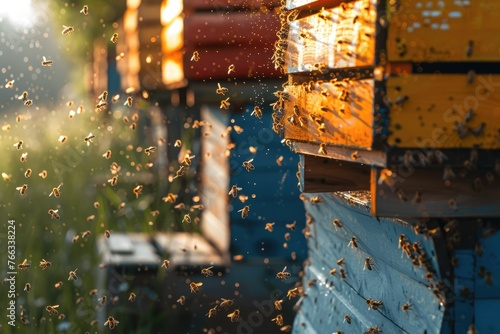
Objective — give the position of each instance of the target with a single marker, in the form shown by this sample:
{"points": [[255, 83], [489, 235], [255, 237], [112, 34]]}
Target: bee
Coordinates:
{"points": [[150, 150], [62, 139], [10, 84], [234, 316], [58, 285], [322, 149], [132, 297], [234, 191], [22, 189], [43, 174], [111, 322], [221, 90], [24, 265], [406, 306], [277, 305], [196, 56], [353, 243], [113, 180], [27, 173], [244, 211], [248, 165], [101, 105], [114, 39], [180, 172], [226, 303], [374, 304], [72, 275], [292, 293], [283, 275], [53, 214], [103, 299], [187, 218], [46, 62], [67, 30], [368, 263], [257, 112], [93, 292], [19, 145], [341, 261], [224, 104], [44, 264], [347, 318], [137, 190], [165, 264], [89, 138], [178, 143], [333, 271], [181, 300], [337, 223], [286, 328], [85, 10], [85, 234], [212, 312], [107, 154], [28, 102], [195, 287], [103, 96], [316, 199], [278, 320], [128, 102], [342, 273], [56, 192], [187, 159], [75, 238], [24, 157], [269, 226], [231, 68], [52, 309], [170, 198]]}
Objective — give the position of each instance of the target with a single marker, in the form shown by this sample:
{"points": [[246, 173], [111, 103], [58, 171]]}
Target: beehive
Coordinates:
{"points": [[404, 90]]}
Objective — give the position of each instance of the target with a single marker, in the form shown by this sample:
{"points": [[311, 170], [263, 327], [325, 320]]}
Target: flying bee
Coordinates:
{"points": [[278, 320], [180, 171], [44, 264], [58, 285], [195, 287], [53, 214], [89, 138], [62, 139], [103, 299], [283, 275], [113, 180], [165, 264], [234, 191], [19, 145], [150, 150], [170, 198], [85, 234], [347, 318], [103, 96], [269, 227], [322, 149], [248, 165], [337, 223], [107, 234], [212, 312], [52, 309], [10, 84], [93, 292], [107, 154], [114, 38], [353, 243], [128, 102], [221, 90], [55, 191], [406, 306], [43, 174], [224, 104], [292, 293], [132, 297], [226, 303], [234, 316], [196, 56], [46, 62], [137, 190], [207, 272], [231, 68], [22, 189], [257, 112], [67, 30], [368, 263], [24, 265], [187, 218], [27, 287], [111, 322], [181, 300], [28, 172], [333, 271], [187, 159], [244, 211], [72, 275], [85, 10], [341, 261], [178, 143]]}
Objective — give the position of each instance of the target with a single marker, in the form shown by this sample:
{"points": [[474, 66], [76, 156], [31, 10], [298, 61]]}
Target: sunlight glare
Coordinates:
{"points": [[20, 14]]}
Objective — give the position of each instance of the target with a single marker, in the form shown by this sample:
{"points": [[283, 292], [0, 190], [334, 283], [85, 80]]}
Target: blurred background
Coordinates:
{"points": [[108, 121]]}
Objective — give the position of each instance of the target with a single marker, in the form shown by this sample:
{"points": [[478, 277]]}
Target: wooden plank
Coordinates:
{"points": [[319, 174], [333, 38], [432, 31], [486, 315], [345, 108], [394, 194], [422, 117], [234, 28], [378, 239], [252, 62]]}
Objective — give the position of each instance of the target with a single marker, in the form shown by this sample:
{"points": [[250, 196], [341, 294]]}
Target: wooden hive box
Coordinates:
{"points": [[403, 93]]}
